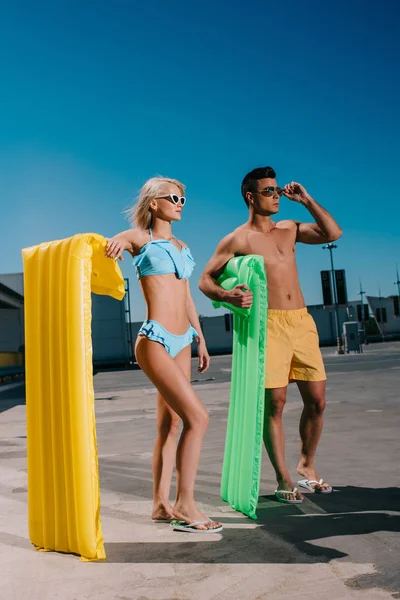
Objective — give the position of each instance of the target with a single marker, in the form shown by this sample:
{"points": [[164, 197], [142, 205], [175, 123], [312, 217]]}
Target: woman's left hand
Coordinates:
{"points": [[204, 357]]}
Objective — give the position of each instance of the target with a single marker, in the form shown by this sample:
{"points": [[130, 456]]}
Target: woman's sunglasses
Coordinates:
{"points": [[174, 198]]}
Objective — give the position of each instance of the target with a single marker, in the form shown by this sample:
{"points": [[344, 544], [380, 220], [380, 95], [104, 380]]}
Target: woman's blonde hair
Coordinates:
{"points": [[140, 214]]}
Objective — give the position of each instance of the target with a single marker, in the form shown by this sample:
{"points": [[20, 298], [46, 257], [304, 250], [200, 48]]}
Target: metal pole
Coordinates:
{"points": [[397, 282], [333, 273], [128, 323], [382, 322], [331, 247], [361, 293]]}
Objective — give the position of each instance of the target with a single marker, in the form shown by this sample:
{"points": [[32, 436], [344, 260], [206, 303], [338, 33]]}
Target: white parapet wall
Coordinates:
{"points": [[384, 311]]}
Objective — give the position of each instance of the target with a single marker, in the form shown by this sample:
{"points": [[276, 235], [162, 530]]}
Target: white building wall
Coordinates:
{"points": [[219, 336], [325, 320], [14, 281], [218, 333], [392, 324], [109, 329], [11, 329]]}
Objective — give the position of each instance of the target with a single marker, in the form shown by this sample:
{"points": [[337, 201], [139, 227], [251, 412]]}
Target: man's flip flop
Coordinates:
{"points": [[284, 500], [307, 485], [192, 527]]}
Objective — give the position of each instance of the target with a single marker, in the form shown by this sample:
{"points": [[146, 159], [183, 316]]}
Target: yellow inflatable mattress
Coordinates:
{"points": [[63, 479]]}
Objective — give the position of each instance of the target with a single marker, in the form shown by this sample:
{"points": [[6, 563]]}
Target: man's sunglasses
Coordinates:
{"points": [[270, 191], [174, 198]]}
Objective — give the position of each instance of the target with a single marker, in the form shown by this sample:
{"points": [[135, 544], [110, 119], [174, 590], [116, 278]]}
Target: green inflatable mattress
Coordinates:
{"points": [[244, 436]]}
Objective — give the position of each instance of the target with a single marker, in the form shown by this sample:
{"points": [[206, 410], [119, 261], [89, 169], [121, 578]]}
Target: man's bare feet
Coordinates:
{"points": [[311, 474], [287, 484], [192, 515], [162, 512]]}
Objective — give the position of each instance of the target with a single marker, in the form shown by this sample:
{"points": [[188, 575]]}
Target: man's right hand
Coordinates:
{"points": [[240, 296]]}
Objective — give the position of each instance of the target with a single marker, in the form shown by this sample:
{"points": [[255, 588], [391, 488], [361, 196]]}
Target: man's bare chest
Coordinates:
{"points": [[277, 246]]}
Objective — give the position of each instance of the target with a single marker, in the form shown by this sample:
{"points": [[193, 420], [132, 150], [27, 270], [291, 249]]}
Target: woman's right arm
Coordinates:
{"points": [[126, 240]]}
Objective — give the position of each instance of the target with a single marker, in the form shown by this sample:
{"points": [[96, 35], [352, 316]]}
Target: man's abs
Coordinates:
{"points": [[284, 291]]}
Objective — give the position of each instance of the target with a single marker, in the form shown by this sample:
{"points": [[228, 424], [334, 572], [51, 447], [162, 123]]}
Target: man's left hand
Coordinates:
{"points": [[296, 192]]}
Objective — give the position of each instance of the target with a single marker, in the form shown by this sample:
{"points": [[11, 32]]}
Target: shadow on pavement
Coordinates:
{"points": [[284, 534]]}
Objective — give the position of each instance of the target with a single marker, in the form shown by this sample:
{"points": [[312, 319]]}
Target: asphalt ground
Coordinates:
{"points": [[375, 357], [344, 545]]}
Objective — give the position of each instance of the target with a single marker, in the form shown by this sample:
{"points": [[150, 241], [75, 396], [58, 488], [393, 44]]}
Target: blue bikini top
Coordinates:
{"points": [[161, 257]]}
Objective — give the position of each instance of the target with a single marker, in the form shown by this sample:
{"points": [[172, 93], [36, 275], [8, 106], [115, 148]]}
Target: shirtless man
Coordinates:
{"points": [[293, 352]]}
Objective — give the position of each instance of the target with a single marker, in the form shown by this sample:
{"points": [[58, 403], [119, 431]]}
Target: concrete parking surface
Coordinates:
{"points": [[344, 545]]}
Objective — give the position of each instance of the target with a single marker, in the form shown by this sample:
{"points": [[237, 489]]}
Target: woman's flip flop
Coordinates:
{"points": [[192, 527], [307, 485], [284, 500], [163, 520]]}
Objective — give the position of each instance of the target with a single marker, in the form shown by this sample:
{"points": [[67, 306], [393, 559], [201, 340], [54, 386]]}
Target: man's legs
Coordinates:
{"points": [[274, 439], [311, 423]]}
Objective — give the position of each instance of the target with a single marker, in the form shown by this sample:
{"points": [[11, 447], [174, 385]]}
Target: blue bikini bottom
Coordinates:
{"points": [[171, 342]]}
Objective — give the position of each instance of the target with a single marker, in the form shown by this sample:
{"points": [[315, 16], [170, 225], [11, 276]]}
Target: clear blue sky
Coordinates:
{"points": [[98, 96]]}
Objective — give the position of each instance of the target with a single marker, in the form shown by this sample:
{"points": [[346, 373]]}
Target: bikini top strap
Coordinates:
{"points": [[151, 234], [175, 238]]}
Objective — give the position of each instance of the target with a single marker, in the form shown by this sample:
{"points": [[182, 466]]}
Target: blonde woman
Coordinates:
{"points": [[163, 347]]}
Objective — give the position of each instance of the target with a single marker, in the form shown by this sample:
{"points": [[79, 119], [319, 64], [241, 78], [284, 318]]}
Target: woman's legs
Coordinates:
{"points": [[186, 461], [164, 454], [164, 458], [173, 385]]}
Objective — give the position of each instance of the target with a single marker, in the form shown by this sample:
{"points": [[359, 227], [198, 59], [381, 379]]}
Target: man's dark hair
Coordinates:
{"points": [[249, 183]]}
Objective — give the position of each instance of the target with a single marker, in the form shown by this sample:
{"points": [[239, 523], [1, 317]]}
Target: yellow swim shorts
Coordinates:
{"points": [[292, 348]]}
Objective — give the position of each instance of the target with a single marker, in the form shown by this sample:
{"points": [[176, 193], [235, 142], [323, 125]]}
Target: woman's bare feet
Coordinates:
{"points": [[311, 474], [287, 484], [162, 512], [192, 515]]}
